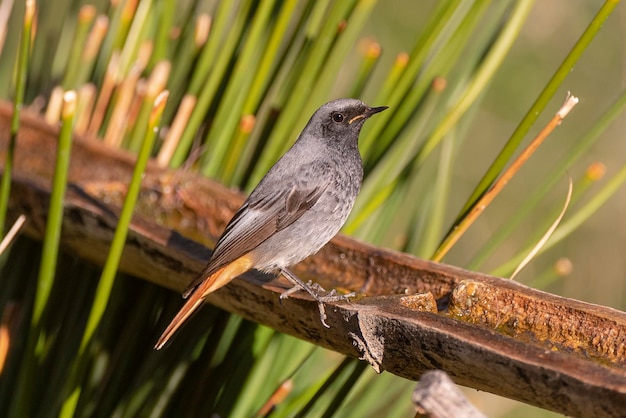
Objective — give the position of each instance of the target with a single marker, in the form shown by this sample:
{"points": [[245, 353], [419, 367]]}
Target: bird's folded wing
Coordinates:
{"points": [[257, 220]]}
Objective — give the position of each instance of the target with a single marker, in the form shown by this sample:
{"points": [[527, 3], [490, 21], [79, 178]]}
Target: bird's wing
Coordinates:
{"points": [[258, 219]]}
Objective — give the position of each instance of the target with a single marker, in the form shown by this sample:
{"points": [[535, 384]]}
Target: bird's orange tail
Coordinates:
{"points": [[209, 285]]}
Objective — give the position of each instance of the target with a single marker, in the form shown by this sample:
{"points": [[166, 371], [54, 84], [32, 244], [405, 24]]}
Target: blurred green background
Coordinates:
{"points": [[597, 249]]}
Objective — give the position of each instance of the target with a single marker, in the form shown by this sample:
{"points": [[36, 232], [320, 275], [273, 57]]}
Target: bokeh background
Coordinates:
{"points": [[597, 250]]}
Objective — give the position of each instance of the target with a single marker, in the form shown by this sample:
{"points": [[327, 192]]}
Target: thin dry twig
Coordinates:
{"points": [[436, 396], [5, 11], [502, 181], [12, 234], [547, 235], [172, 138]]}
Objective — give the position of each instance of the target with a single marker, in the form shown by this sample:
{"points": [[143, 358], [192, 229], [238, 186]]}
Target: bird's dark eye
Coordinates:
{"points": [[337, 117]]}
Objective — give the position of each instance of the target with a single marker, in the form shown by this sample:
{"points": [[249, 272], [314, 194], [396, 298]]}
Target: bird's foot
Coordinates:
{"points": [[318, 293]]}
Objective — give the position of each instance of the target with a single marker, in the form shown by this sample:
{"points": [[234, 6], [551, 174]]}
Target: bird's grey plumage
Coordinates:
{"points": [[304, 199]]}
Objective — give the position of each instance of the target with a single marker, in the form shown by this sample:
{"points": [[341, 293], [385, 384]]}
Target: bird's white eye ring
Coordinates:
{"points": [[337, 117]]}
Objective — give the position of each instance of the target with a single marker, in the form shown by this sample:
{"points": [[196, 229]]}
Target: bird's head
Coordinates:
{"points": [[341, 119]]}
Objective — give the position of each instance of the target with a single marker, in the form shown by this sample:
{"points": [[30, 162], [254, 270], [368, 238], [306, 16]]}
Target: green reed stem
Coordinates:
{"points": [[109, 271], [21, 71], [539, 105]]}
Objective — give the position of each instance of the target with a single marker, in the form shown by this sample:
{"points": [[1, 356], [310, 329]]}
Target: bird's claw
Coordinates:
{"points": [[318, 293]]}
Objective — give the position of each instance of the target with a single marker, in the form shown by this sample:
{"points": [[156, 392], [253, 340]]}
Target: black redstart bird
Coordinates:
{"points": [[298, 206]]}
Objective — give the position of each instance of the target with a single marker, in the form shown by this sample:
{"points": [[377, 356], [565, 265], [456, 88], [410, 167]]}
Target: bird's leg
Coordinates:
{"points": [[315, 290]]}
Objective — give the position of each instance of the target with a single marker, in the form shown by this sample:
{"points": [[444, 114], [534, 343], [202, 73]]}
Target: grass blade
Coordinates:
{"points": [[540, 104], [460, 227], [117, 245]]}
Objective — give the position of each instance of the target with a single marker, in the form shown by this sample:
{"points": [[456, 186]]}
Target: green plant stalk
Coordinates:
{"points": [[85, 19], [116, 31], [173, 382], [154, 86], [483, 76], [265, 352], [385, 175], [208, 57], [42, 56], [280, 138], [474, 54], [298, 53], [296, 356], [317, 18], [472, 93], [186, 52], [136, 34], [332, 64], [161, 37], [346, 387], [239, 365], [89, 56], [224, 330], [392, 396], [21, 71], [433, 30], [539, 105], [228, 113], [296, 49], [50, 250], [133, 406], [320, 80], [334, 376], [295, 60], [135, 140], [157, 369], [580, 188], [569, 225], [393, 77], [237, 156], [369, 59], [441, 191], [209, 89], [266, 379], [223, 345], [17, 268], [549, 182], [54, 222], [232, 170], [447, 51], [418, 228], [115, 253], [306, 378], [119, 383], [542, 227], [72, 320], [190, 352], [419, 200], [380, 223], [121, 231]]}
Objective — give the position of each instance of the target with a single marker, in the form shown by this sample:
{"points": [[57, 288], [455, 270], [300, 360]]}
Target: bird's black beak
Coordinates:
{"points": [[368, 112], [373, 110]]}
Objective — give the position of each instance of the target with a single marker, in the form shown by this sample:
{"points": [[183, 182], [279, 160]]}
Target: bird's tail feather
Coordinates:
{"points": [[209, 285]]}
